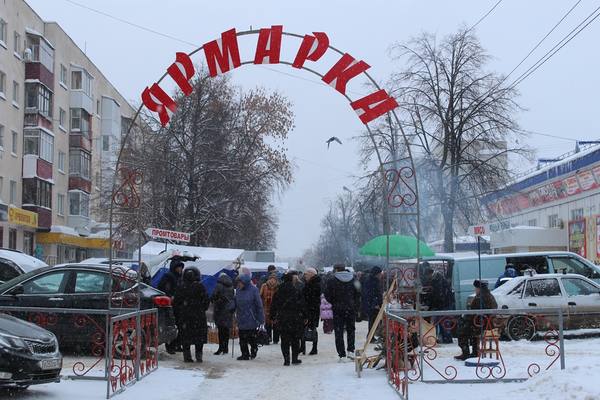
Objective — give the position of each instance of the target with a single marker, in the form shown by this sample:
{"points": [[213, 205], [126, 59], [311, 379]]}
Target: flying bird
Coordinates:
{"points": [[333, 139]]}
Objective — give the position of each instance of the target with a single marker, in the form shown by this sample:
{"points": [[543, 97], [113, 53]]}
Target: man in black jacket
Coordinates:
{"points": [[168, 284], [343, 292], [312, 298], [287, 312]]}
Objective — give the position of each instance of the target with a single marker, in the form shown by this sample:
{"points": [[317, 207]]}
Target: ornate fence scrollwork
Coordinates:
{"points": [[133, 349], [401, 191], [398, 347], [430, 361]]}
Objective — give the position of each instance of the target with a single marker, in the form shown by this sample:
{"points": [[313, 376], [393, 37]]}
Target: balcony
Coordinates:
{"points": [[35, 167], [34, 119], [80, 140], [44, 216], [80, 99], [34, 70], [80, 183]]}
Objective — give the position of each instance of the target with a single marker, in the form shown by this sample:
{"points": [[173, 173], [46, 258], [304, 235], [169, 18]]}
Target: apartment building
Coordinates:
{"points": [[60, 125]]}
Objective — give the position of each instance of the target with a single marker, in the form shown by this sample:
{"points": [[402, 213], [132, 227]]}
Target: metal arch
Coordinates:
{"points": [[380, 159]]}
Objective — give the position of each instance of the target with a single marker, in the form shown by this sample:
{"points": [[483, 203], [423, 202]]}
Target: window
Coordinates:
{"points": [[97, 107], [61, 161], [28, 243], [13, 192], [2, 84], [39, 143], [16, 90], [15, 142], [79, 163], [81, 80], [12, 239], [8, 270], [3, 31], [60, 204], [17, 43], [80, 121], [553, 221], [532, 222], [37, 192], [76, 80], [79, 204], [576, 214], [1, 137], [62, 118], [1, 190], [571, 265], [579, 287], [105, 142], [38, 97], [91, 282], [46, 284], [542, 287], [517, 291], [63, 75]]}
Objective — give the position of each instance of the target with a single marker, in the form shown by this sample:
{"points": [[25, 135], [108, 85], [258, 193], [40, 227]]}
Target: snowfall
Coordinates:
{"points": [[324, 377]]}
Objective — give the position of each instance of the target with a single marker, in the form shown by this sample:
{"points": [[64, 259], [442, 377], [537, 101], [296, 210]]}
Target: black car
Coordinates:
{"points": [[77, 286], [29, 355]]}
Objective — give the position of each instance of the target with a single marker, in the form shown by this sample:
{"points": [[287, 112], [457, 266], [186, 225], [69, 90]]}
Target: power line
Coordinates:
{"points": [[130, 23], [485, 16], [194, 45], [544, 38], [562, 43], [547, 135]]}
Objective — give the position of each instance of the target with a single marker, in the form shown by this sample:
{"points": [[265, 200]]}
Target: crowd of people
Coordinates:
{"points": [[280, 309]]}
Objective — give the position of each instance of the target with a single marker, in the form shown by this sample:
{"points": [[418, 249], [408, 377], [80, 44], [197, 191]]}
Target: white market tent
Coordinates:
{"points": [[211, 260], [256, 266]]}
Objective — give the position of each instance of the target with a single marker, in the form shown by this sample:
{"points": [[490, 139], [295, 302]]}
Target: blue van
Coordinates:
{"points": [[463, 269]]}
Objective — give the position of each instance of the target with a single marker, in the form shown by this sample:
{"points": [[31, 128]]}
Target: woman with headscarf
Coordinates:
{"points": [[190, 304], [249, 315], [267, 292]]}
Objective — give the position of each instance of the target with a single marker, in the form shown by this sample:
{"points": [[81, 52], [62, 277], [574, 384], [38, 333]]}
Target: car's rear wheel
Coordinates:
{"points": [[520, 327]]}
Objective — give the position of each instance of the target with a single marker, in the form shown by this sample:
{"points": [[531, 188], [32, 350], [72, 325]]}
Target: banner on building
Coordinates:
{"points": [[19, 216], [577, 237]]}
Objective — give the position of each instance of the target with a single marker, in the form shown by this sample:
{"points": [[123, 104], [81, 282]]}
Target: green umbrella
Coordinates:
{"points": [[400, 247]]}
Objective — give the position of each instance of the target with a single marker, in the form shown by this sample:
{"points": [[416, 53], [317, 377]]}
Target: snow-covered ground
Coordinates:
{"points": [[323, 377]]}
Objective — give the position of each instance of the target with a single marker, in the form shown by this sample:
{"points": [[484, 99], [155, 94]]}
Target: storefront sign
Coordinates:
{"points": [[577, 237], [598, 237], [156, 233], [19, 216], [223, 55], [557, 190]]}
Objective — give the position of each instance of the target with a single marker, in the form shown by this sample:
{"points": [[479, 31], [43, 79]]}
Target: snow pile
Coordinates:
{"points": [[576, 382]]}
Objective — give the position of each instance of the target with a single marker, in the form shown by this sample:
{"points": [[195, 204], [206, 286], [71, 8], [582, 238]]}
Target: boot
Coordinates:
{"points": [[218, 352], [286, 361], [464, 354], [475, 346], [187, 354], [314, 349], [243, 358], [296, 362]]}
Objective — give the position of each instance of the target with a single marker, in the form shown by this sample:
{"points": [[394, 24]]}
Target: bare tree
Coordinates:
{"points": [[461, 117]]}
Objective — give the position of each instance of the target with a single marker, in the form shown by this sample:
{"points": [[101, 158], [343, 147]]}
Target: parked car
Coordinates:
{"points": [[133, 264], [29, 355], [462, 269], [14, 263], [78, 286], [576, 295]]}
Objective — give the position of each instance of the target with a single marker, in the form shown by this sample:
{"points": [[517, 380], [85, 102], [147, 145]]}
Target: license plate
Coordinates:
{"points": [[54, 363]]}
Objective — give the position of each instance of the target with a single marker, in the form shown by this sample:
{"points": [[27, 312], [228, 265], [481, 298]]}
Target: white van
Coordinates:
{"points": [[463, 269]]}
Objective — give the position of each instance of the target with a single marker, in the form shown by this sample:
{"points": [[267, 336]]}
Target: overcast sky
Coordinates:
{"points": [[561, 97]]}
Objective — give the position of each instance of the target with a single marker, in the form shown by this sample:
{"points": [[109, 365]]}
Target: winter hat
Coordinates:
{"points": [[311, 271], [479, 284], [376, 270], [245, 279]]}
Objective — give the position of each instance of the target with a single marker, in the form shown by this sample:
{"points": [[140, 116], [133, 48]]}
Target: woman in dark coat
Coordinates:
{"points": [[222, 313], [312, 298], [287, 312], [190, 304]]}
